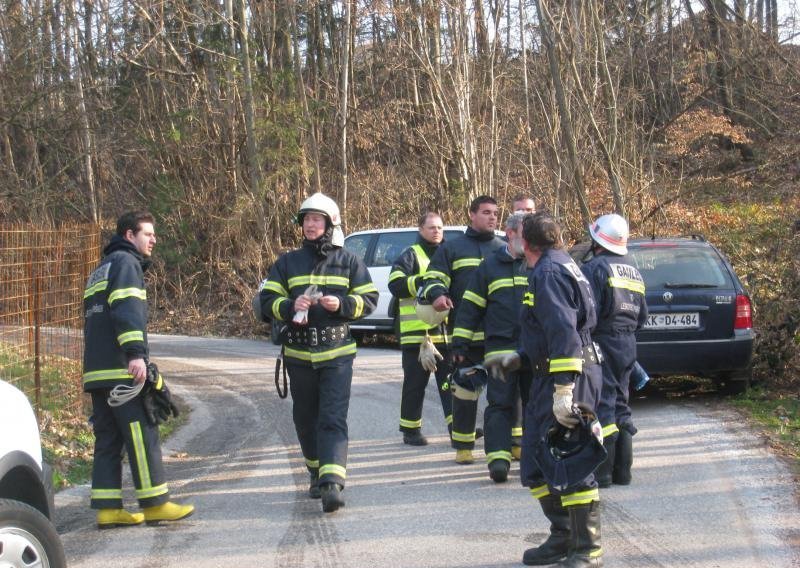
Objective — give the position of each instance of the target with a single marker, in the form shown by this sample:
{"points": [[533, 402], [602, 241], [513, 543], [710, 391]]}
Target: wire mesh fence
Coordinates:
{"points": [[42, 275]]}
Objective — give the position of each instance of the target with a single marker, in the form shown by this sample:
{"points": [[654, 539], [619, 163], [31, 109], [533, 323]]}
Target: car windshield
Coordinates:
{"points": [[674, 266]]}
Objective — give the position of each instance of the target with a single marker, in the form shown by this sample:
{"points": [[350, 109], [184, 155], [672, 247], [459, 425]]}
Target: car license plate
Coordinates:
{"points": [[677, 320]]}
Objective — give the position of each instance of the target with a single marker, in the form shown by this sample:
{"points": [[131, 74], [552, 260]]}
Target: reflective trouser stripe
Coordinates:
{"points": [[610, 430], [312, 464], [333, 469], [580, 498], [461, 437], [140, 453], [106, 494], [516, 431], [498, 455], [410, 423], [540, 492], [151, 491]]}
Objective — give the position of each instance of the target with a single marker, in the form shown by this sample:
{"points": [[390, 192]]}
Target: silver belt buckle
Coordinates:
{"points": [[312, 337]]}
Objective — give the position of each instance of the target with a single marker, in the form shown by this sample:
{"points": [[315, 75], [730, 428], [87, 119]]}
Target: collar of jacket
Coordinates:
{"points": [[504, 255], [427, 246], [481, 236], [118, 243]]}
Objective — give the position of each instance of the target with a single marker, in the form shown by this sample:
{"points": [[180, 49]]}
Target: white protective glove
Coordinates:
{"points": [[562, 406], [428, 355], [301, 317], [500, 365]]}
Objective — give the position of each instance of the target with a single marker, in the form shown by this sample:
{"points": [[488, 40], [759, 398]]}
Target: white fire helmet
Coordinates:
{"points": [[429, 315], [611, 233], [320, 203]]}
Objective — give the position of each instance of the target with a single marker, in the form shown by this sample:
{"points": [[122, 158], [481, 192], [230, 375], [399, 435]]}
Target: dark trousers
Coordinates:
{"points": [[320, 402], [415, 381], [539, 418], [125, 427], [465, 407], [502, 419], [619, 356]]}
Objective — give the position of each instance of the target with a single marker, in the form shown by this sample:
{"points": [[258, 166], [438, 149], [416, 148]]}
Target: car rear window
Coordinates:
{"points": [[680, 267], [390, 245]]}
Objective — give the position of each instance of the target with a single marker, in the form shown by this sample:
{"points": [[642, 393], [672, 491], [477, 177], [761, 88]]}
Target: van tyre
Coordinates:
{"points": [[28, 534]]}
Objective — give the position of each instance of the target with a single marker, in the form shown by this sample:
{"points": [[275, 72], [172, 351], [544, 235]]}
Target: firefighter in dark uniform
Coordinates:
{"points": [[621, 310], [405, 278], [316, 291], [443, 286], [116, 353], [492, 302], [557, 317]]}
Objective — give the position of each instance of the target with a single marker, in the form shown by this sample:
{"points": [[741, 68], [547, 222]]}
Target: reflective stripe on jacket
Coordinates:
{"points": [[619, 290], [452, 265], [115, 316], [558, 316], [405, 278], [341, 274], [492, 302]]}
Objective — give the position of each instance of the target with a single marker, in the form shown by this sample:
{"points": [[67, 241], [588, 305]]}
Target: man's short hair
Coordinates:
{"points": [[132, 220], [425, 216], [522, 197], [514, 221], [541, 231], [480, 200]]}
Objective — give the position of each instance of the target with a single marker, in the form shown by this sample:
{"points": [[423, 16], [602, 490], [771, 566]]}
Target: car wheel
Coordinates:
{"points": [[28, 538]]}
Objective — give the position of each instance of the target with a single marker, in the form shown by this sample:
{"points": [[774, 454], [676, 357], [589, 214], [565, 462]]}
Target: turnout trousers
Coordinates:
{"points": [[502, 419], [415, 381], [539, 418], [320, 402], [118, 428], [619, 356], [465, 406]]}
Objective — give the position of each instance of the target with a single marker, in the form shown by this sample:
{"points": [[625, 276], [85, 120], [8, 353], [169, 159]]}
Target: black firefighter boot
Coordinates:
{"points": [[556, 546], [624, 458], [603, 474], [585, 550], [331, 494]]}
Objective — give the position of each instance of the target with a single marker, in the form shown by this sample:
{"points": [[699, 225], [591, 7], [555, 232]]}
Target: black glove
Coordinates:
{"points": [[157, 400]]}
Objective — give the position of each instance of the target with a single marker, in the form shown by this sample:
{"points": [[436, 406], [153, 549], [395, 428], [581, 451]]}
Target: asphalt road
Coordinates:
{"points": [[706, 493]]}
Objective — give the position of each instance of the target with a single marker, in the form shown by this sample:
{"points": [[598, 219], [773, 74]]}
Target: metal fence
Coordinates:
{"points": [[42, 275]]}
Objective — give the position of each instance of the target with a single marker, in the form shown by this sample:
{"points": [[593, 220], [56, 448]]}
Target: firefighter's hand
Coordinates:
{"points": [[429, 355], [330, 303], [137, 368], [442, 303], [302, 303], [562, 406], [500, 365]]}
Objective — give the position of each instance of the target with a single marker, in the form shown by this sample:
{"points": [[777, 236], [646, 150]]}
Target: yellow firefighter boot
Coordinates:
{"points": [[110, 518], [167, 512], [464, 456]]}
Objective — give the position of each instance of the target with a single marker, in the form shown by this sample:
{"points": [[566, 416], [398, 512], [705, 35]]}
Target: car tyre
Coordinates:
{"points": [[28, 538]]}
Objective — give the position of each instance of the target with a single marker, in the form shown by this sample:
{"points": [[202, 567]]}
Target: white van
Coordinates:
{"points": [[379, 248]]}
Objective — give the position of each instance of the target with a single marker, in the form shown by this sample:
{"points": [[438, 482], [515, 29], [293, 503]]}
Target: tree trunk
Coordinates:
{"points": [[565, 117]]}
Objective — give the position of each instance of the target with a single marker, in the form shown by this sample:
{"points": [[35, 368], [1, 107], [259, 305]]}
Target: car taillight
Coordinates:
{"points": [[744, 316]]}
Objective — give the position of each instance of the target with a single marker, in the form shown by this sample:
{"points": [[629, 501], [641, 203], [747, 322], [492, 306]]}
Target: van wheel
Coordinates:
{"points": [[28, 538]]}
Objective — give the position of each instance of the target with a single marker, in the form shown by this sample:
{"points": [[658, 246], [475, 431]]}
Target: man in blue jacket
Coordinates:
{"points": [[116, 354]]}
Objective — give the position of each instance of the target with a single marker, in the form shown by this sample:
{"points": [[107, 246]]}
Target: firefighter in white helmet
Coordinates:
{"points": [[621, 309], [313, 293]]}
